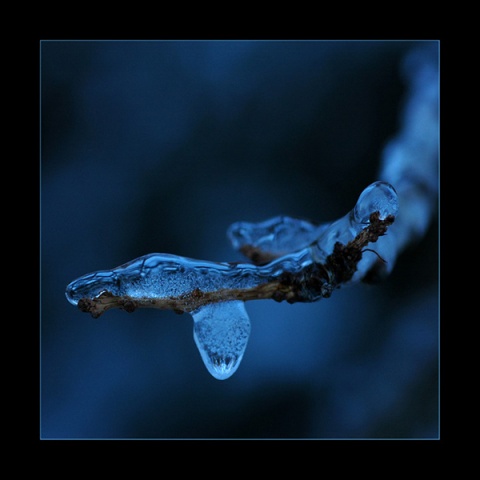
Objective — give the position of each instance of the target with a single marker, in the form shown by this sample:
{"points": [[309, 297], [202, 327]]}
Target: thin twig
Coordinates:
{"points": [[314, 282]]}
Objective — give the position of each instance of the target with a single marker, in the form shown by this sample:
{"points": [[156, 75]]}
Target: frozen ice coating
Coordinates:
{"points": [[378, 197], [277, 235], [282, 234], [91, 285], [221, 332], [222, 328], [162, 275]]}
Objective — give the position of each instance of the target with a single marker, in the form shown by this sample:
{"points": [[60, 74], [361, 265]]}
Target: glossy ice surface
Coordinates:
{"points": [[221, 330]]}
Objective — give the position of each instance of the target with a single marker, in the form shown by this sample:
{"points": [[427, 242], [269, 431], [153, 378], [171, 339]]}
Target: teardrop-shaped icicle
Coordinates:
{"points": [[221, 332]]}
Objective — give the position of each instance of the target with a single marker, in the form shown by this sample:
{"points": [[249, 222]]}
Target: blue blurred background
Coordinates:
{"points": [[158, 146]]}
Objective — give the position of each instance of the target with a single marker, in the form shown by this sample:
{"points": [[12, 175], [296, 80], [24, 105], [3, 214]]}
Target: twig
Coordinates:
{"points": [[315, 281]]}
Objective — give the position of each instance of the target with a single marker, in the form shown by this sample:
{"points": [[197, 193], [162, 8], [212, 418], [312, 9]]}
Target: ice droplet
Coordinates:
{"points": [[378, 197], [221, 332]]}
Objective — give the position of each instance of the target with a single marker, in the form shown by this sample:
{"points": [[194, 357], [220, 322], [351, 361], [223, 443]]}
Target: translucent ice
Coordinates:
{"points": [[221, 332], [281, 235], [277, 236], [377, 197], [222, 328], [161, 275], [91, 285]]}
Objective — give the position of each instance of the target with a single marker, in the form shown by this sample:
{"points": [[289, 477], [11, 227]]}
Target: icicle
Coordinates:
{"points": [[221, 332]]}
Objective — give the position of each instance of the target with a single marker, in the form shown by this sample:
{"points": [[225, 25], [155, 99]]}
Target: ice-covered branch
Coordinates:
{"points": [[409, 163], [291, 259], [214, 293], [165, 281]]}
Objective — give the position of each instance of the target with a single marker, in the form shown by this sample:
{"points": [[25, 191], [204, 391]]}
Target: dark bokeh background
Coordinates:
{"points": [[158, 147]]}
